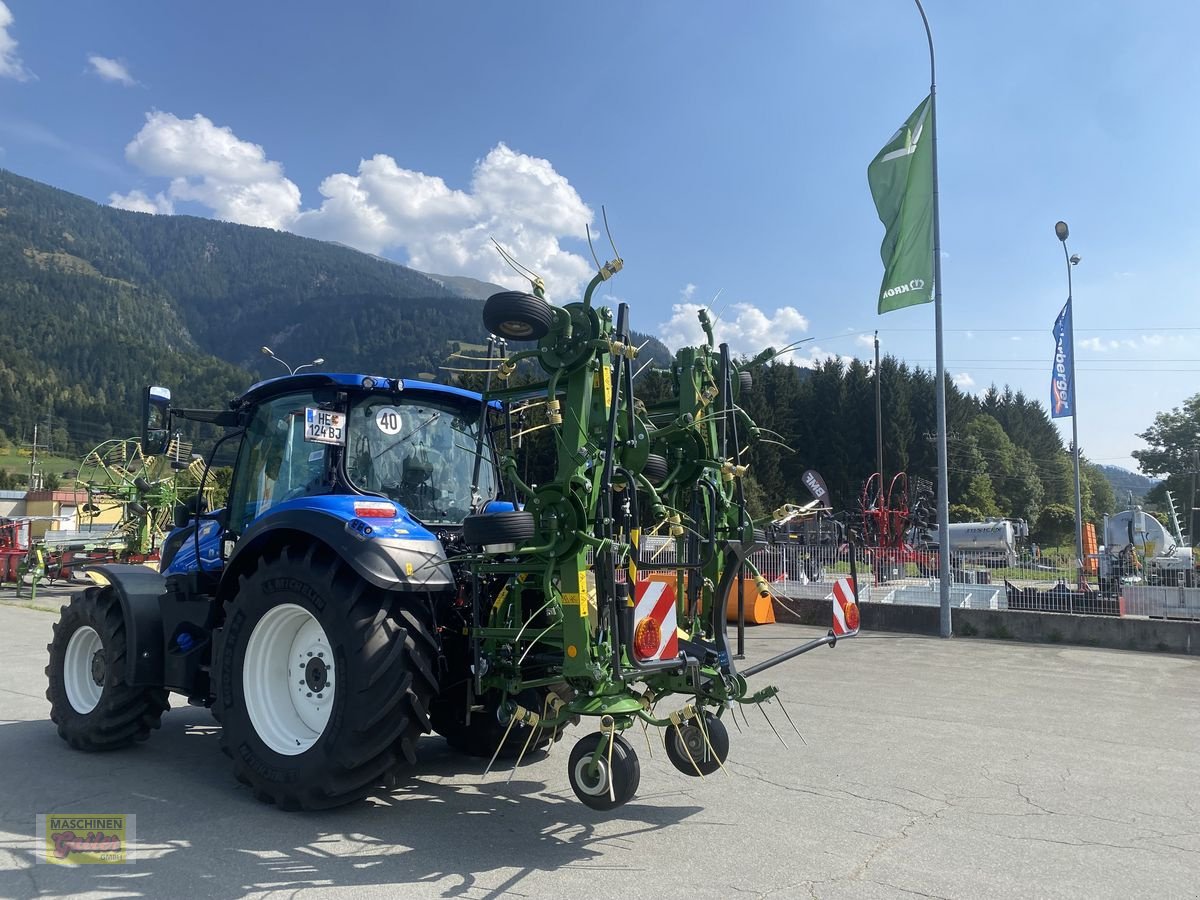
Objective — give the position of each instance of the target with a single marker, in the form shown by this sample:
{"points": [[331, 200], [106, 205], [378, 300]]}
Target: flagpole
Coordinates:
{"points": [[943, 503]]}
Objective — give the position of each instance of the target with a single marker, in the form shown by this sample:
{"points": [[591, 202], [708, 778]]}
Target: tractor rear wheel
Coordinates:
{"points": [[323, 681], [90, 702]]}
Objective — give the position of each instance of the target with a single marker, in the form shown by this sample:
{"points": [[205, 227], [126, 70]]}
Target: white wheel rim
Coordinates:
{"points": [[583, 776], [83, 691], [288, 679]]}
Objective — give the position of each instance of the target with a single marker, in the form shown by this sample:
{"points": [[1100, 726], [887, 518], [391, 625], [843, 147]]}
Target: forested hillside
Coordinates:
{"points": [[99, 301]]}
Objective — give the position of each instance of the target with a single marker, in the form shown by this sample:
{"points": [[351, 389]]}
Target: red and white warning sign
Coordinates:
{"points": [[655, 629], [845, 609]]}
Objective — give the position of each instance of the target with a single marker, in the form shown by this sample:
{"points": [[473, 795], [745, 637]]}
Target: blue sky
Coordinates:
{"points": [[729, 143]]}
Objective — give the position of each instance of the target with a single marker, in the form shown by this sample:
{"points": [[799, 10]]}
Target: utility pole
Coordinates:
{"points": [[1192, 511], [878, 416], [34, 479]]}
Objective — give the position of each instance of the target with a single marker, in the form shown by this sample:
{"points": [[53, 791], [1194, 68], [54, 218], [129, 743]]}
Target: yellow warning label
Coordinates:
{"points": [[578, 600]]}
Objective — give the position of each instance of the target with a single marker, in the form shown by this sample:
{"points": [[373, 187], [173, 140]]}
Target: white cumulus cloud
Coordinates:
{"points": [[211, 165], [383, 207], [138, 201], [519, 200], [745, 327], [963, 381], [10, 62], [111, 70]]}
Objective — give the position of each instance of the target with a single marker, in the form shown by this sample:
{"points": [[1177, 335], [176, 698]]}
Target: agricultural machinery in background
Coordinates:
{"points": [[892, 525], [382, 570], [130, 502]]}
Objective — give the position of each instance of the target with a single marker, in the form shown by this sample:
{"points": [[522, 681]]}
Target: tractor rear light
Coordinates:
{"points": [[647, 638], [852, 616], [375, 510]]}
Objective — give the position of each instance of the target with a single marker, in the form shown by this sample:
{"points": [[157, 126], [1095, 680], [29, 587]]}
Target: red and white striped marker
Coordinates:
{"points": [[845, 609], [655, 600]]}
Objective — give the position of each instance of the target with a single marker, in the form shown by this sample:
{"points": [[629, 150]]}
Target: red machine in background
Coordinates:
{"points": [[889, 523]]}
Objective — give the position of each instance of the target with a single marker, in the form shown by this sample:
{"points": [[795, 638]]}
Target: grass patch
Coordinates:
{"points": [[968, 630], [1055, 637]]}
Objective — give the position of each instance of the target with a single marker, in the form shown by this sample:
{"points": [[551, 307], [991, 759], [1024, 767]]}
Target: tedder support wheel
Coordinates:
{"points": [[504, 529], [518, 316], [90, 702], [656, 469], [323, 680], [745, 383], [688, 750], [591, 781], [488, 725]]}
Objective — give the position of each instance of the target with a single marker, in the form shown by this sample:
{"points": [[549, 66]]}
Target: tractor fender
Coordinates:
{"points": [[413, 563], [138, 590]]}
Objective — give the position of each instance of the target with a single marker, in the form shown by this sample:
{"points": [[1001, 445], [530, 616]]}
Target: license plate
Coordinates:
{"points": [[324, 426]]}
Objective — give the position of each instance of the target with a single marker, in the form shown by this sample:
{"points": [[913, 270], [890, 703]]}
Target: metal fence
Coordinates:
{"points": [[1041, 583]]}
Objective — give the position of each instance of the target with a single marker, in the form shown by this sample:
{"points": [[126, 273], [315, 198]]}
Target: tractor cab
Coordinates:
{"points": [[403, 459]]}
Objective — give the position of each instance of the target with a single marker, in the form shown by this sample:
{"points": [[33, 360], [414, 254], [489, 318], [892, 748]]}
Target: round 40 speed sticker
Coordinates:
{"points": [[387, 420]]}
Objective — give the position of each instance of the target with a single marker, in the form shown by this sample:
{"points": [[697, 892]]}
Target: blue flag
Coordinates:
{"points": [[1062, 390]]}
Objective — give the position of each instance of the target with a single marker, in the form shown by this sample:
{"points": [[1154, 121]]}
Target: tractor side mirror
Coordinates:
{"points": [[156, 421]]}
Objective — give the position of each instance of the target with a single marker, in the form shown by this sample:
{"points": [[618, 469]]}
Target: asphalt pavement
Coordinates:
{"points": [[927, 767]]}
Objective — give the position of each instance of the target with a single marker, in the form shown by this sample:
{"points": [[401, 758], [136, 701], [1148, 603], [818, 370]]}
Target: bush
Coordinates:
{"points": [[1055, 525]]}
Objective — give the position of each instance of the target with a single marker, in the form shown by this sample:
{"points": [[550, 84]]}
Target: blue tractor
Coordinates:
{"points": [[329, 563], [385, 566]]}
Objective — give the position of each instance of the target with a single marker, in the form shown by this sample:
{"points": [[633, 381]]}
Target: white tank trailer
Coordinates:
{"points": [[1167, 558], [991, 543]]}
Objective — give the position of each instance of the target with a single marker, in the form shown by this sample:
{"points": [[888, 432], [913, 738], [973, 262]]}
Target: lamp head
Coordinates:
{"points": [[265, 351], [1061, 230], [318, 361]]}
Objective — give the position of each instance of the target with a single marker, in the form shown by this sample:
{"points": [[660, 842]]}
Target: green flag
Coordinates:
{"points": [[901, 179]]}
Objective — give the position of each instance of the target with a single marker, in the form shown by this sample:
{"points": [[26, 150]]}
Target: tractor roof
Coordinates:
{"points": [[365, 384]]}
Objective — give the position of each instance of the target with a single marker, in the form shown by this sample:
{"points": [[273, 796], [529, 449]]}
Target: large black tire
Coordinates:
{"points": [[512, 527], [517, 316], [592, 788], [382, 667], [123, 714], [688, 751]]}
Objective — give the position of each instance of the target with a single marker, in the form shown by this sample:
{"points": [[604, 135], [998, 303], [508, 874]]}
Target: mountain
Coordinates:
{"points": [[98, 301], [1123, 482]]}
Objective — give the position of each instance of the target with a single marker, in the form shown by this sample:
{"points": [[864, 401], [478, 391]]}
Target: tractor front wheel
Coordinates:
{"points": [[90, 701], [324, 681]]}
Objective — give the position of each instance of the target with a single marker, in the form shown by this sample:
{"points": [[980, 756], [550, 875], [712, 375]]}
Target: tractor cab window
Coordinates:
{"points": [[275, 462], [421, 454]]}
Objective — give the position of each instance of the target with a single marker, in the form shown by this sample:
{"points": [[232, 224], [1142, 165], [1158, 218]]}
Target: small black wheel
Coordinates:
{"points": [[517, 316], [90, 702], [487, 727], [486, 529], [591, 783], [656, 469], [688, 751], [745, 383]]}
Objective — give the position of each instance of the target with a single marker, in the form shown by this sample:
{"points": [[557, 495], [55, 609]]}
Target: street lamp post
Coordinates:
{"points": [[1062, 232], [267, 352]]}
